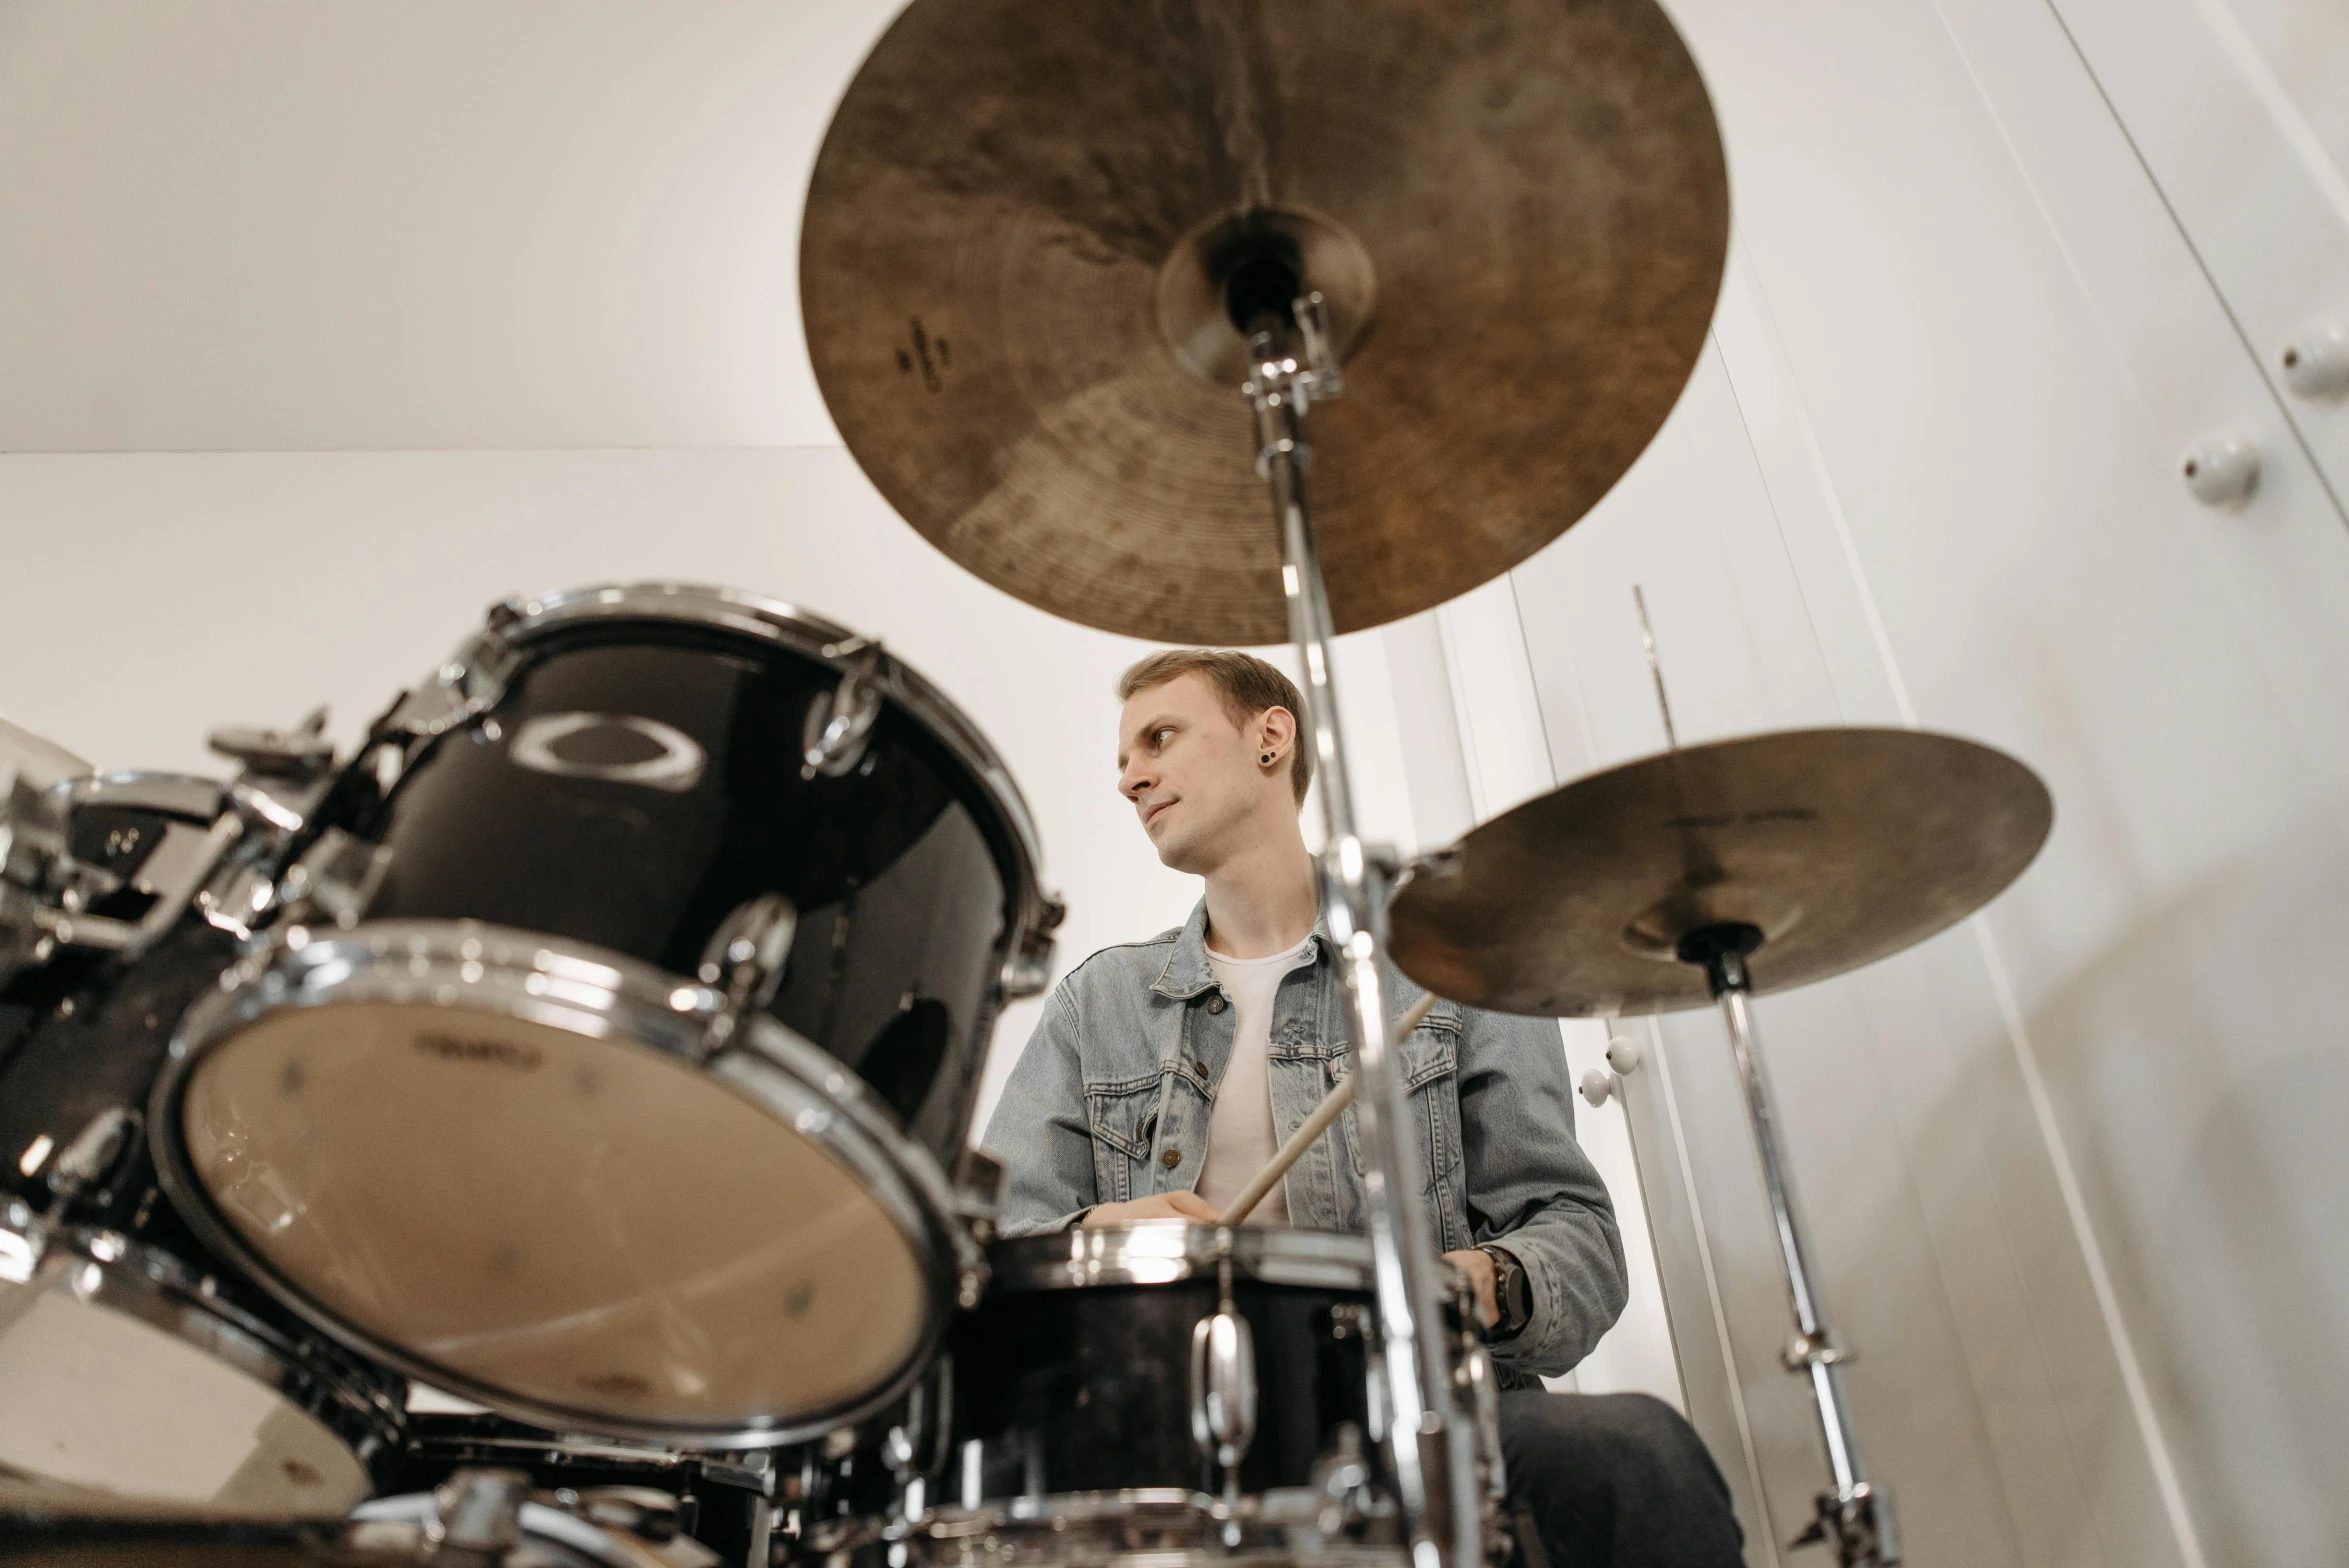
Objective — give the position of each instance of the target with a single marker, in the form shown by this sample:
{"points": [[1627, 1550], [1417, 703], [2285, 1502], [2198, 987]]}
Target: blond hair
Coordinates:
{"points": [[1247, 685]]}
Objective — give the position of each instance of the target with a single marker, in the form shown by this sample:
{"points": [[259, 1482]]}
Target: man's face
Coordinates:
{"points": [[1191, 773]]}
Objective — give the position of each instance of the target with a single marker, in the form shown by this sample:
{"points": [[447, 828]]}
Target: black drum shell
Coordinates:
{"points": [[88, 1033], [903, 872], [1088, 1389]]}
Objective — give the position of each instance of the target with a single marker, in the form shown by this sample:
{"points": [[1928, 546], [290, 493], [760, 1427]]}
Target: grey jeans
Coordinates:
{"points": [[1614, 1481]]}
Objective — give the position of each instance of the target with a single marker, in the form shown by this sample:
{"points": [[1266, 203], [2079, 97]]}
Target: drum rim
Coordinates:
{"points": [[157, 1288], [526, 619], [650, 1008], [190, 796], [1164, 1252]]}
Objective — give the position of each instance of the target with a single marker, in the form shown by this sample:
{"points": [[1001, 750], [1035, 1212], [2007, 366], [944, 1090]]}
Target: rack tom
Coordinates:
{"points": [[624, 1096]]}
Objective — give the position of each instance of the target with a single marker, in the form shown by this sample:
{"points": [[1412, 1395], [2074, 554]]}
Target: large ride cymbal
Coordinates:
{"points": [[1010, 275], [1841, 846]]}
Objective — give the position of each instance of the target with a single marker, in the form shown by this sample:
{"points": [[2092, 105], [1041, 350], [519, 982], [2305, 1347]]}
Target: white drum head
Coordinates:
{"points": [[108, 1386], [552, 1221]]}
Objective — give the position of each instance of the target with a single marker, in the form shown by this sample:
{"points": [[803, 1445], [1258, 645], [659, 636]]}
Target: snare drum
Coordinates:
{"points": [[132, 1365], [1164, 1387], [629, 1104]]}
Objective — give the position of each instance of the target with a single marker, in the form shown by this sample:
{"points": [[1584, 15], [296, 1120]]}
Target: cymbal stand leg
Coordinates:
{"points": [[1857, 1514], [1432, 1441]]}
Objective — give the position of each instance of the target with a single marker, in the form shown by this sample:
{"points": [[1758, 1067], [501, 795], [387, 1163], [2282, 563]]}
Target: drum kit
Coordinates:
{"points": [[599, 1041]]}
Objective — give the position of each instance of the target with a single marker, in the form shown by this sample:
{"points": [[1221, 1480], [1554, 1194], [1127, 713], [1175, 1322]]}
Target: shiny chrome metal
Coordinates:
{"points": [[746, 959], [746, 956], [89, 1157], [1163, 1526], [188, 796], [475, 678], [546, 1534], [1856, 1515], [480, 1510], [832, 740], [1433, 1443], [302, 752], [335, 880], [73, 929], [356, 1409], [1158, 1252], [585, 990], [1223, 1389]]}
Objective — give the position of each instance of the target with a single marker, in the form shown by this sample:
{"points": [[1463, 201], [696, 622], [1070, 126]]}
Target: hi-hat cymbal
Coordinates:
{"points": [[1841, 846], [1010, 273], [40, 763]]}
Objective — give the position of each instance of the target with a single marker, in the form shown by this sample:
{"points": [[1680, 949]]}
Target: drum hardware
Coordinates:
{"points": [[1223, 1382], [708, 1503], [302, 752], [745, 960], [838, 721], [334, 881]]}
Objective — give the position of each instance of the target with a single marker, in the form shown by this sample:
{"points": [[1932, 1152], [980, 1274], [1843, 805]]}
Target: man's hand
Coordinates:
{"points": [[1478, 1266], [1190, 1206]]}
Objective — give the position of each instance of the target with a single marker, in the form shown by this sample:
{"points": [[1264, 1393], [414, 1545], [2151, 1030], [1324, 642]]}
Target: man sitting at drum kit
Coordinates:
{"points": [[1165, 1072]]}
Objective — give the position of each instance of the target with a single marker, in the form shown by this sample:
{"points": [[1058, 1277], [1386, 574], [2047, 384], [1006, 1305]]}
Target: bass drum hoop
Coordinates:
{"points": [[519, 625], [469, 965], [108, 1271]]}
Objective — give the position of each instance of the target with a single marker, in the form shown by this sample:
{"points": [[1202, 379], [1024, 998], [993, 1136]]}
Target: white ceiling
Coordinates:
{"points": [[398, 224]]}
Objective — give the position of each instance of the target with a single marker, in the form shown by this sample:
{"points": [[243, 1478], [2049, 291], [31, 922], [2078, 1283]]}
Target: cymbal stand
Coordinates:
{"points": [[1433, 1442], [1857, 1514]]}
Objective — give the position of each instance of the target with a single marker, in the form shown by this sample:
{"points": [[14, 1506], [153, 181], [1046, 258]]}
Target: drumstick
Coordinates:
{"points": [[1332, 1104]]}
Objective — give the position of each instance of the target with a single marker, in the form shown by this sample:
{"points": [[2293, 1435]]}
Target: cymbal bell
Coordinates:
{"points": [[1024, 222], [1840, 846]]}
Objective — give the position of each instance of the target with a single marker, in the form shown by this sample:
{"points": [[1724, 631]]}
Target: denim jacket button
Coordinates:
{"points": [[1215, 1003], [1171, 1158]]}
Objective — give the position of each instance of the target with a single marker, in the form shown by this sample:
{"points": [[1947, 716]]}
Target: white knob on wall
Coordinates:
{"points": [[2222, 470], [2316, 363]]}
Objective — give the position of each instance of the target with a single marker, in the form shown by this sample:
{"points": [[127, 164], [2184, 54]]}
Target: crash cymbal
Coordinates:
{"points": [[1012, 264], [1841, 846], [39, 763]]}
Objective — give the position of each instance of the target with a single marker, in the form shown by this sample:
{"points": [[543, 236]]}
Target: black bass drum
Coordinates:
{"points": [[133, 1365], [626, 1100]]}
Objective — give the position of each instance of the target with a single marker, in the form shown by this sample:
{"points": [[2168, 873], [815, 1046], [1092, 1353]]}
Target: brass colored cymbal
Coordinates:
{"points": [[1011, 277], [1842, 846], [39, 763]]}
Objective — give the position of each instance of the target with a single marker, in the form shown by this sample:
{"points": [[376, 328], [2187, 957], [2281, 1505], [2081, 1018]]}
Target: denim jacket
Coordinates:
{"points": [[1109, 1102]]}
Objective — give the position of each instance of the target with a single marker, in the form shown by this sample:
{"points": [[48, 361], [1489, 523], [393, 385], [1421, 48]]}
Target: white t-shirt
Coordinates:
{"points": [[1240, 1136]]}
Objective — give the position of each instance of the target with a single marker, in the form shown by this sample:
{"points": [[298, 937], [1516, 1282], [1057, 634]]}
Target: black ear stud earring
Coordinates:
{"points": [[1268, 759]]}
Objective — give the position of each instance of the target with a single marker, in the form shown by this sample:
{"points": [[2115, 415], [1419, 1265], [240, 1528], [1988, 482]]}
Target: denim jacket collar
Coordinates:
{"points": [[1187, 972]]}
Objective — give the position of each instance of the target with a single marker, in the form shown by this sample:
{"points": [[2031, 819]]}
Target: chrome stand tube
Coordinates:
{"points": [[1857, 1514], [1433, 1442]]}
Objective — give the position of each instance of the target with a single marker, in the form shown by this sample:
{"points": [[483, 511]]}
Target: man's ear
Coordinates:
{"points": [[1276, 731]]}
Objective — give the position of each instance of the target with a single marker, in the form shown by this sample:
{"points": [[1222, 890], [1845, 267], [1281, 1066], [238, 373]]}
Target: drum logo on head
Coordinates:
{"points": [[495, 1053], [617, 748]]}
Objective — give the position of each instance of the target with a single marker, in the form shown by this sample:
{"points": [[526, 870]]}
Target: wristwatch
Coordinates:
{"points": [[1512, 1293]]}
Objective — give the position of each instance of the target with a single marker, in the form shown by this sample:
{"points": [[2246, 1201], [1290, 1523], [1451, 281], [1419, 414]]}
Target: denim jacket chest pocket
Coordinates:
{"points": [[1430, 1060], [1124, 1118]]}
